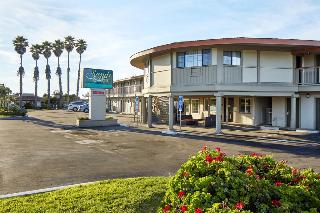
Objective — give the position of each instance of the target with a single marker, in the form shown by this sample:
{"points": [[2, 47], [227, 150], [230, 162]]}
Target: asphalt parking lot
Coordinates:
{"points": [[47, 150]]}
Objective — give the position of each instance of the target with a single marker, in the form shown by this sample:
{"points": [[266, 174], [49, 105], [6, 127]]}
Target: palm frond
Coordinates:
{"points": [[81, 46]]}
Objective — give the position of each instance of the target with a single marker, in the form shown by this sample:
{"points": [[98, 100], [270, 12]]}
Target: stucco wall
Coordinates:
{"points": [[308, 61], [279, 111], [249, 61], [276, 66], [161, 70]]}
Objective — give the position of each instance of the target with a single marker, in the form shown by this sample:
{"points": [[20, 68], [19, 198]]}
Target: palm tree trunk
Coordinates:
{"points": [[68, 80], [36, 89], [48, 88], [78, 79], [60, 85], [20, 97]]}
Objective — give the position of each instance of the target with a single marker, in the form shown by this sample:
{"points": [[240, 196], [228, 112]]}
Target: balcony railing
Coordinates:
{"points": [[190, 76], [308, 75], [126, 90], [232, 74]]}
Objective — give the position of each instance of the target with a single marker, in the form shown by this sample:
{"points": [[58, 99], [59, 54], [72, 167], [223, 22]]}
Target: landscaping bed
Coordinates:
{"points": [[119, 195]]}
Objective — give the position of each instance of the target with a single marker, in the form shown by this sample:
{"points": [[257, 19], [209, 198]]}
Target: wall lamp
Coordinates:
{"points": [[308, 95]]}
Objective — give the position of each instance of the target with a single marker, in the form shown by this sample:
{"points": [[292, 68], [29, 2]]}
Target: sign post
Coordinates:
{"points": [[97, 80], [180, 106]]}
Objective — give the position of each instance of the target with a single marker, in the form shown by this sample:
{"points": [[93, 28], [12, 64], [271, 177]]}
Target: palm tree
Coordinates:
{"points": [[46, 51], [36, 50], [20, 46], [81, 46], [58, 47], [68, 45]]}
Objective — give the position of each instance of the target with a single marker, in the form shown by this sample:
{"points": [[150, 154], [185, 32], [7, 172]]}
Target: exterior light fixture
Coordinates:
{"points": [[308, 95]]}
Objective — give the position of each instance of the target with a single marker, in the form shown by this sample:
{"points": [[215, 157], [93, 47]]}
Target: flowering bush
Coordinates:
{"points": [[213, 182]]}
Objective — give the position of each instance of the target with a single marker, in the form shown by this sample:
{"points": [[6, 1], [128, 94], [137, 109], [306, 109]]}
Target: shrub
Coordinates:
{"points": [[213, 182]]}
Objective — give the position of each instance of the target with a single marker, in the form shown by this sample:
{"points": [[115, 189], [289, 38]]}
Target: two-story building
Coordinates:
{"points": [[254, 81], [121, 98]]}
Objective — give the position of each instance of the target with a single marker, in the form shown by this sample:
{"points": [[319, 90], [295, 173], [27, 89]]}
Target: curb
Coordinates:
{"points": [[38, 191]]}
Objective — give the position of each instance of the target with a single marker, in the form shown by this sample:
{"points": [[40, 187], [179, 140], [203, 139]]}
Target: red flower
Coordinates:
{"points": [[209, 159], [278, 183], [218, 149], [185, 174], [219, 158], [181, 194], [254, 154], [276, 203], [249, 170], [204, 148], [258, 177], [239, 205], [319, 177], [184, 208], [198, 210], [167, 208], [294, 171]]}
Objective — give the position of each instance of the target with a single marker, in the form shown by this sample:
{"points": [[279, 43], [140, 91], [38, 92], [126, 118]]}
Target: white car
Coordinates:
{"points": [[73, 106]]}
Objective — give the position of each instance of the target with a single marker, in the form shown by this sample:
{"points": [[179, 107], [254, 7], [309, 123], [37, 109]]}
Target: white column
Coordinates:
{"points": [[218, 113], [227, 110], [293, 120], [171, 103], [150, 111], [143, 110]]}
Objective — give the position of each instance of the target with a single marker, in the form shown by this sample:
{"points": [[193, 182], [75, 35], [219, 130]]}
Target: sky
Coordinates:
{"points": [[115, 30]]}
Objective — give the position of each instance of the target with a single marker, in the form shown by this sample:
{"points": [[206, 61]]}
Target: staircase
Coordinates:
{"points": [[160, 112]]}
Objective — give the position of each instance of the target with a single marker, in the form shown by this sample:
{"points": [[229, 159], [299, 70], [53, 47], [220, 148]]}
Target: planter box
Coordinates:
{"points": [[97, 123]]}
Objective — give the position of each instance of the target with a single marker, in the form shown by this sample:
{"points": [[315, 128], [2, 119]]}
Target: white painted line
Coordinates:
{"points": [[19, 194], [124, 125], [89, 141], [169, 132]]}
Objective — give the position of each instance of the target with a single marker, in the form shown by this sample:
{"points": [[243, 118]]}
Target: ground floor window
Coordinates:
{"points": [[245, 105], [186, 106], [195, 105], [212, 106], [206, 104]]}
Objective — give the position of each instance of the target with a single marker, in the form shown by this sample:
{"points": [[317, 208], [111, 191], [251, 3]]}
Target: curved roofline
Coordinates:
{"points": [[135, 58]]}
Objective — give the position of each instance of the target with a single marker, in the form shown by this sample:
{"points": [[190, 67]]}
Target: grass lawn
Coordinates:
{"points": [[5, 116], [119, 195]]}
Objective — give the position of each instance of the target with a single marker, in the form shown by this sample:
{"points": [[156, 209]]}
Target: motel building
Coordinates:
{"points": [[121, 99], [251, 81]]}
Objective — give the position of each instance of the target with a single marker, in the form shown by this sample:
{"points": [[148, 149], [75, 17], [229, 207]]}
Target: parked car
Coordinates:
{"points": [[83, 108], [74, 105]]}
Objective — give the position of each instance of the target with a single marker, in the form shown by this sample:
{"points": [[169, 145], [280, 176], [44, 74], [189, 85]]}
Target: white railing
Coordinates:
{"points": [[232, 74], [190, 76], [308, 75], [126, 90]]}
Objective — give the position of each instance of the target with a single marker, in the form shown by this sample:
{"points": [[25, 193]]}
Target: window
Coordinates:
{"points": [[212, 106], [245, 105], [180, 60], [206, 57], [195, 105], [232, 58], [186, 104], [193, 58]]}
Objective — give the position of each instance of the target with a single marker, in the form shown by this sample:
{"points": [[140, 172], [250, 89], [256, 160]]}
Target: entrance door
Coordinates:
{"points": [[230, 109], [318, 113]]}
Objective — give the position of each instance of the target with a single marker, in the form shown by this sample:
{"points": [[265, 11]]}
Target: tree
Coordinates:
{"points": [[4, 95], [68, 45], [20, 46], [81, 46], [36, 50], [46, 51], [58, 47]]}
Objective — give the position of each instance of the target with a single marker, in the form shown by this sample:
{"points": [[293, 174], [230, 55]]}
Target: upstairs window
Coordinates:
{"points": [[232, 58], [206, 57], [193, 58], [180, 60]]}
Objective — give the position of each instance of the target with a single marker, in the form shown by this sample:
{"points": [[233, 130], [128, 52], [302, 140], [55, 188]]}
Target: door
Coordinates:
{"points": [[318, 113], [230, 109]]}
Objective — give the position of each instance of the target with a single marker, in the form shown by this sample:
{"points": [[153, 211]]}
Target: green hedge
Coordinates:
{"points": [[12, 112], [213, 182]]}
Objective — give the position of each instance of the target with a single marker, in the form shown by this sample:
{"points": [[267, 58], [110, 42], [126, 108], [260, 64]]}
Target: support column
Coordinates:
{"points": [[171, 106], [143, 110], [293, 119], [150, 111], [218, 113]]}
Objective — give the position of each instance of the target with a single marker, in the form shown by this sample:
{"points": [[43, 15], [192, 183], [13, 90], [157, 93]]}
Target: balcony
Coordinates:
{"points": [[126, 90], [308, 75]]}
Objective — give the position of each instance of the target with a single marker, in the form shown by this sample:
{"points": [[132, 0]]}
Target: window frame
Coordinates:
{"points": [[198, 108], [232, 58], [247, 106], [183, 54], [209, 59]]}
